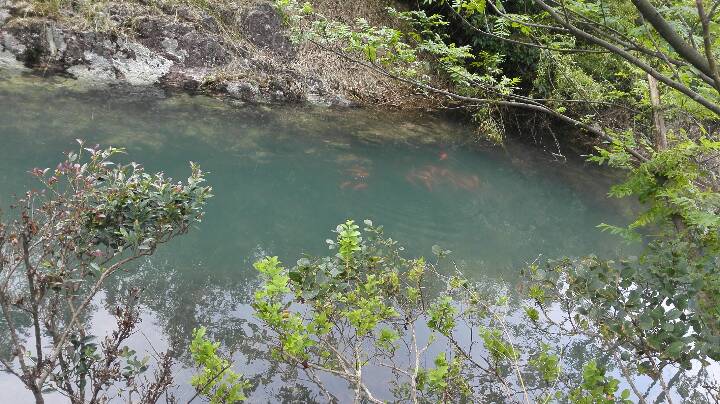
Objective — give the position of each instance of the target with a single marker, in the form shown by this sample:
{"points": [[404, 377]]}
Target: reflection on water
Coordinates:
{"points": [[282, 178]]}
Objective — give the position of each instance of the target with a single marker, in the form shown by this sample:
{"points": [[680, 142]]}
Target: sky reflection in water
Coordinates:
{"points": [[284, 177]]}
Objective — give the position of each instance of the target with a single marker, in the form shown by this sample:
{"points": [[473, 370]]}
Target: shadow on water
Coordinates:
{"points": [[284, 176]]}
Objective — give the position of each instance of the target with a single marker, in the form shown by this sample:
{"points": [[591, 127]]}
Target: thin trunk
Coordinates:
{"points": [[708, 43], [658, 119], [661, 135], [34, 298]]}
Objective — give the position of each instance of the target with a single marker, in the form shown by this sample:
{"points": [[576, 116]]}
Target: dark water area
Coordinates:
{"points": [[283, 177]]}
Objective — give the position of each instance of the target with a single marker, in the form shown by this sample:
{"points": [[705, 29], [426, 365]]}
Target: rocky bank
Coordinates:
{"points": [[236, 48]]}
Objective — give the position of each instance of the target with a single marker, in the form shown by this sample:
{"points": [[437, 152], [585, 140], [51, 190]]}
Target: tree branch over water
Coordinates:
{"points": [[92, 220]]}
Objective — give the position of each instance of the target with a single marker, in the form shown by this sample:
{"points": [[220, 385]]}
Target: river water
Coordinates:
{"points": [[283, 177]]}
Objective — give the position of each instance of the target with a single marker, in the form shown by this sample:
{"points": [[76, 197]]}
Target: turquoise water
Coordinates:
{"points": [[284, 176]]}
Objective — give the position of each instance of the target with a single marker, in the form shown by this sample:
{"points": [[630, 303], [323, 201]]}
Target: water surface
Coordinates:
{"points": [[284, 176]]}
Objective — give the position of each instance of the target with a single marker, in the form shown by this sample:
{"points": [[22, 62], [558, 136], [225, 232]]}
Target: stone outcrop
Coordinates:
{"points": [[173, 47]]}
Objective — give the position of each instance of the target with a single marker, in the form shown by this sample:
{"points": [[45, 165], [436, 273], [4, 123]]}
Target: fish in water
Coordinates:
{"points": [[359, 175], [430, 176], [468, 182], [443, 156], [358, 172], [425, 177], [355, 186]]}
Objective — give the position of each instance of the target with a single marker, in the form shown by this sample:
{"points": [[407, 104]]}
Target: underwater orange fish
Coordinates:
{"points": [[431, 175]]}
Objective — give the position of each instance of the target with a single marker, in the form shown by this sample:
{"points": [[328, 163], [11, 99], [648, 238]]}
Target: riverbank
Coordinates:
{"points": [[236, 49]]}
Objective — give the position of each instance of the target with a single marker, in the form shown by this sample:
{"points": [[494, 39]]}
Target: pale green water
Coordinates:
{"points": [[284, 176]]}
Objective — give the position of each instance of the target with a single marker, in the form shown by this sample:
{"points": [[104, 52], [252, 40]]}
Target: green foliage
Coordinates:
{"points": [[92, 218], [672, 185], [500, 349], [645, 313], [326, 320], [348, 241], [404, 53], [547, 363], [276, 278], [662, 305], [445, 375], [598, 388], [666, 302], [442, 315], [563, 76], [130, 208], [216, 381], [370, 308]]}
